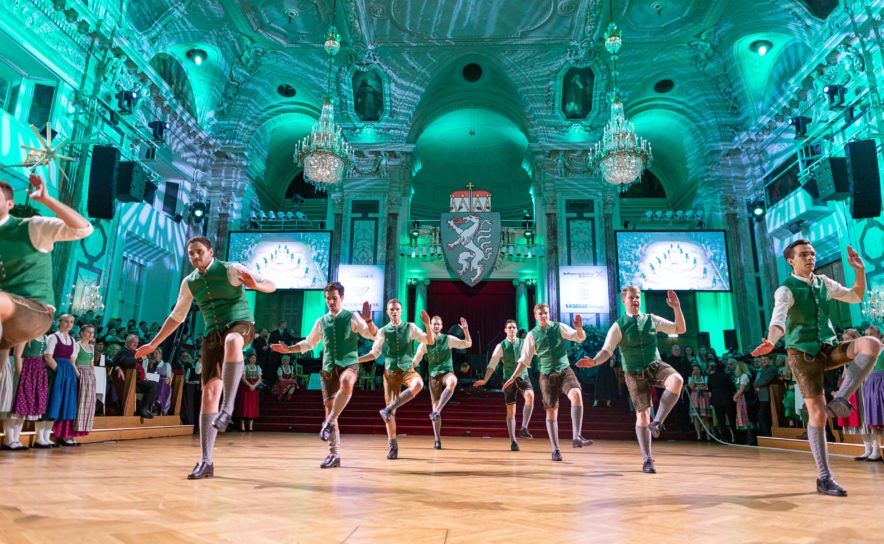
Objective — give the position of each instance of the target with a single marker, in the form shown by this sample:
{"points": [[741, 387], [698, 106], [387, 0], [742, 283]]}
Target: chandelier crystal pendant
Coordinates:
{"points": [[324, 154], [620, 156]]}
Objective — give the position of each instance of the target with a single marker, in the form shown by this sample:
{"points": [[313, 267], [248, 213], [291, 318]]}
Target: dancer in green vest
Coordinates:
{"points": [[547, 341], [395, 339], [339, 331], [801, 314], [218, 290], [509, 351], [26, 294], [636, 334], [441, 369]]}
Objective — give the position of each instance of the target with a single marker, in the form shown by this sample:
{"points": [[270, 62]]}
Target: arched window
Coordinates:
{"points": [[174, 74]]}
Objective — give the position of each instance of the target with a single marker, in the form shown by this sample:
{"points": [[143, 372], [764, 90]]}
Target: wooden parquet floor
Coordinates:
{"points": [[268, 488]]}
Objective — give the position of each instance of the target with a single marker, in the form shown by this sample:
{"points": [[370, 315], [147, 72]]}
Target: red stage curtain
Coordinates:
{"points": [[486, 307]]}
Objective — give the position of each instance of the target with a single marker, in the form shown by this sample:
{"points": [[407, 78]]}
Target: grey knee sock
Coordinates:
{"points": [[667, 401], [816, 436], [576, 420], [527, 410], [403, 397], [334, 441], [511, 428], [8, 432], [437, 427], [855, 374], [231, 374], [644, 441], [867, 444], [552, 427], [443, 399], [338, 404], [207, 436]]}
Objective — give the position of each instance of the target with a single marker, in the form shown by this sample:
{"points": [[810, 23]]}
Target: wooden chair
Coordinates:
{"points": [[177, 394], [299, 374], [128, 396], [366, 380]]}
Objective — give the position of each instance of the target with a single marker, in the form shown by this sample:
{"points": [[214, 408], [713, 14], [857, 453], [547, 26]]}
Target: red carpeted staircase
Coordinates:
{"points": [[469, 413]]}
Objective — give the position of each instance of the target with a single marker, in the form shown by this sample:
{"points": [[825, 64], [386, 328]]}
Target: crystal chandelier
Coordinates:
{"points": [[325, 154], [873, 306], [620, 155]]}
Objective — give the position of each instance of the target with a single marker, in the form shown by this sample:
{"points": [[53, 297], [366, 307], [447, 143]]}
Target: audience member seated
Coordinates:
{"points": [[286, 384], [125, 360]]}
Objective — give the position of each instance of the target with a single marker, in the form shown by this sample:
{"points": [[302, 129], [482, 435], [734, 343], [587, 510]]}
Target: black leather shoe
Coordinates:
{"points": [[394, 453], [221, 421], [434, 416], [863, 458], [556, 455], [514, 446], [874, 459], [579, 441], [13, 447], [331, 461], [202, 470], [437, 445], [648, 467], [40, 446], [145, 414], [326, 431], [523, 433], [656, 428], [828, 486], [839, 407], [385, 415], [66, 444]]}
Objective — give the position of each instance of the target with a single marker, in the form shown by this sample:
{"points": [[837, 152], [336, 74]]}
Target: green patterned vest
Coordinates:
{"points": [[550, 347], [439, 356], [807, 322], [340, 342], [35, 348], [398, 348], [84, 358], [24, 271], [220, 302], [511, 353], [252, 373], [638, 347]]}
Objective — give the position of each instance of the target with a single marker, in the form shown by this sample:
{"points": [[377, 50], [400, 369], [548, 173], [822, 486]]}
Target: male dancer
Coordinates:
{"points": [[636, 334], [218, 289], [338, 330], [441, 369], [801, 313], [395, 338], [26, 294], [547, 341], [509, 351]]}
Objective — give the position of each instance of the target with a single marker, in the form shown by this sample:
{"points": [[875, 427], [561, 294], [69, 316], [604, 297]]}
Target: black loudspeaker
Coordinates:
{"points": [[702, 339], [131, 182], [102, 182], [730, 339], [865, 179], [150, 192], [832, 181]]}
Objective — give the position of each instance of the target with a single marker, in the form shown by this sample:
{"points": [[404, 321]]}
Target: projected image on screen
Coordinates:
{"points": [[681, 261], [292, 260]]}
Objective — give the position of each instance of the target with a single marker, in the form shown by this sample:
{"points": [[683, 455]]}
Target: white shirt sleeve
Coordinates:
{"points": [[182, 305], [783, 300], [456, 343], [45, 231], [612, 339], [414, 333], [75, 352], [744, 379], [312, 339], [839, 292], [663, 325], [51, 342], [234, 275], [421, 351], [569, 333], [496, 356], [360, 327], [528, 350], [378, 344]]}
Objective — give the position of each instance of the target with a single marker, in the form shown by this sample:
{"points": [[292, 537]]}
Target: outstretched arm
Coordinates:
{"points": [[673, 302], [179, 312], [64, 212], [858, 266], [496, 356]]}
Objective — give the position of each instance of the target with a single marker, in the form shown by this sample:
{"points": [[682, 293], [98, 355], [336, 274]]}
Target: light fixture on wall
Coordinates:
{"points": [[325, 154], [757, 209], [835, 96], [800, 123], [158, 130], [198, 56], [621, 156], [761, 47], [126, 101]]}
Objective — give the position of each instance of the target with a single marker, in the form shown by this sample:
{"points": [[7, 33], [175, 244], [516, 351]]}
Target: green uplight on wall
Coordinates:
{"points": [[197, 56], [761, 47]]}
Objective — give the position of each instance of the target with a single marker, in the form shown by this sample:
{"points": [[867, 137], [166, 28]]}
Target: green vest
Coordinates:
{"points": [[339, 340], [879, 364], [439, 356], [252, 372], [35, 348], [550, 348], [24, 271], [807, 322], [84, 358], [638, 347], [511, 353], [398, 348], [220, 302]]}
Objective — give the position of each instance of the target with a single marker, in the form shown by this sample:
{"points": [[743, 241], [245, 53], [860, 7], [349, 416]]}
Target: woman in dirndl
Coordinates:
{"points": [[61, 408], [249, 397]]}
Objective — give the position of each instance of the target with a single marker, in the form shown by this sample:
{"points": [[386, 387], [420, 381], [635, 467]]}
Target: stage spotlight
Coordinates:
{"points": [[757, 209], [126, 101], [198, 211], [679, 215], [648, 214], [761, 47], [698, 214], [262, 215], [300, 216], [835, 95], [626, 224], [800, 123], [527, 219], [689, 214], [668, 215], [271, 215], [197, 56], [290, 216], [158, 129], [658, 214]]}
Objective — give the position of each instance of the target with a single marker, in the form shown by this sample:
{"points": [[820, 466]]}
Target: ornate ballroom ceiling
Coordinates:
{"points": [[486, 125]]}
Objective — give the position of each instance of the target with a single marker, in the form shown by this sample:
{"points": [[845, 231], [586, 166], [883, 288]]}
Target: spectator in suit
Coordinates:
{"points": [[767, 373], [124, 360], [261, 346], [280, 335], [721, 397]]}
